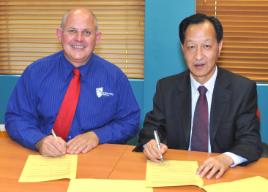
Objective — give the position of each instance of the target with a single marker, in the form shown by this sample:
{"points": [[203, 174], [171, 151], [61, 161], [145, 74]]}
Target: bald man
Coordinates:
{"points": [[106, 109]]}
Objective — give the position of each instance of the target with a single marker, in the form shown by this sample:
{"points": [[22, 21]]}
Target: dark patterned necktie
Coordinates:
{"points": [[199, 141]]}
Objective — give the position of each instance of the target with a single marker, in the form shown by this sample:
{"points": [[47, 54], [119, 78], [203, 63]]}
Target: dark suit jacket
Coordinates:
{"points": [[234, 126]]}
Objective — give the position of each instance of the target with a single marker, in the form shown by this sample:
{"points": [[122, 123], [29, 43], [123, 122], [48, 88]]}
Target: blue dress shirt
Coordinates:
{"points": [[106, 104]]}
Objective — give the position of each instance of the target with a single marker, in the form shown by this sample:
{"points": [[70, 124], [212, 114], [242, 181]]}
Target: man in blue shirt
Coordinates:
{"points": [[107, 111]]}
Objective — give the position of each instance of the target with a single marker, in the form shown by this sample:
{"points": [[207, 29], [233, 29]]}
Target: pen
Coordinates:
{"points": [[157, 143], [53, 133]]}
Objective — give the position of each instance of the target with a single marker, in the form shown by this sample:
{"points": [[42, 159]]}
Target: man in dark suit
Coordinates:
{"points": [[231, 104]]}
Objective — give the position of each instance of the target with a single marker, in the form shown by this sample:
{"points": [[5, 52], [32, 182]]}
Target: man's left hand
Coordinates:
{"points": [[215, 166], [82, 143]]}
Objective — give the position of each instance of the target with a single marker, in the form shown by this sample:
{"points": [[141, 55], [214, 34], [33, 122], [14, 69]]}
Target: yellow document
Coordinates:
{"points": [[39, 168], [251, 184], [104, 185], [172, 173]]}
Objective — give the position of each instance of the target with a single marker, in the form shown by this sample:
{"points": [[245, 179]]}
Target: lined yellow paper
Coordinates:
{"points": [[39, 168], [104, 185], [251, 184], [172, 173]]}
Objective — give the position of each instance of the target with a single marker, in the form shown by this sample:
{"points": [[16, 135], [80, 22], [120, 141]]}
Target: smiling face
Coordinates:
{"points": [[201, 50], [78, 36]]}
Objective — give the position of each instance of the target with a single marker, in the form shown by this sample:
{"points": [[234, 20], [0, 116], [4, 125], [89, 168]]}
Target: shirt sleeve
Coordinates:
{"points": [[21, 118], [125, 124], [236, 158]]}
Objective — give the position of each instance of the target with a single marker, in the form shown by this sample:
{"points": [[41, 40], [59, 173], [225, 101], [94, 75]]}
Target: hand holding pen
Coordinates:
{"points": [[51, 145], [154, 151]]}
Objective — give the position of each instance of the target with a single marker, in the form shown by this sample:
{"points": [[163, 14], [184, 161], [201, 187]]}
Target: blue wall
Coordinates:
{"points": [[162, 57], [162, 50], [7, 83], [263, 107]]}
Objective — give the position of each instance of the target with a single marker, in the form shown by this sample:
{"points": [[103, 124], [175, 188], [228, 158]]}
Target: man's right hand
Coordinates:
{"points": [[51, 146], [152, 152]]}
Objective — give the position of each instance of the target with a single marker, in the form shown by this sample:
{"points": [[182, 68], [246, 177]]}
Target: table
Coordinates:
{"points": [[108, 161]]}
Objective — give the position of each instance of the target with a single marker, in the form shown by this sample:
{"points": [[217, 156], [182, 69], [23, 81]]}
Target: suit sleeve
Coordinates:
{"points": [[154, 120], [247, 135]]}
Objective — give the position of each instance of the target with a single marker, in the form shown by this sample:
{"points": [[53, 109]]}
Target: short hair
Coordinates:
{"points": [[200, 18], [66, 15]]}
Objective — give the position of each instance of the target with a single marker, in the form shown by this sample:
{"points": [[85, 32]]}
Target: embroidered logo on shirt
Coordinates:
{"points": [[100, 92]]}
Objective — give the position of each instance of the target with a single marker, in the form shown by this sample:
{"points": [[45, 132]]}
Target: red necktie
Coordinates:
{"points": [[67, 110], [199, 141]]}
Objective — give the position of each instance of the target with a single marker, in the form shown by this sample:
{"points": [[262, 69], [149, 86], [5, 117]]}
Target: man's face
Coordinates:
{"points": [[79, 37], [201, 50]]}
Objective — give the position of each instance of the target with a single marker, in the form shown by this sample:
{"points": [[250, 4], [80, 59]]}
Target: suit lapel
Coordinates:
{"points": [[184, 105], [220, 99]]}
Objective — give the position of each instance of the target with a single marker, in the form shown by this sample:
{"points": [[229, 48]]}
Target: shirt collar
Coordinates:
{"points": [[209, 84], [67, 67]]}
